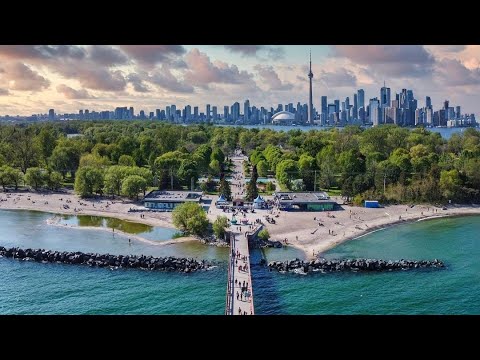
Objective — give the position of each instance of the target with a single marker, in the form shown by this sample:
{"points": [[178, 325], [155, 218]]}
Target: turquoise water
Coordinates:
{"points": [[33, 288]]}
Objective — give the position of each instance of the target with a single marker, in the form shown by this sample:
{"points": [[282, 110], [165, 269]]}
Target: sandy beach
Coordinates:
{"points": [[71, 204], [312, 232], [316, 232]]}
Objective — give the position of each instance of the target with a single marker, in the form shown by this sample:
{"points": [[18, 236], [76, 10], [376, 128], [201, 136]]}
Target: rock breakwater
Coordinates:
{"points": [[185, 265], [323, 265]]}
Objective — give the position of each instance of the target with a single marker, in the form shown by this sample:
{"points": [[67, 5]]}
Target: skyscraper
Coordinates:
{"points": [[207, 112], [361, 98], [51, 114], [310, 98], [428, 102], [324, 109], [384, 96], [225, 113], [246, 110], [375, 111]]}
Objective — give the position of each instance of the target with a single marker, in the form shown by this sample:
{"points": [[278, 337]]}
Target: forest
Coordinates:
{"points": [[386, 163]]}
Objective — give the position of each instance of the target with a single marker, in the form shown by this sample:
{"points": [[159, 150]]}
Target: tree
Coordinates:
{"points": [[53, 180], [190, 218], [220, 225], [10, 176], [24, 149], [252, 190], [132, 185], [215, 167], [224, 189], [46, 141], [262, 168], [34, 177], [94, 160], [114, 176], [307, 167], [126, 160], [287, 170], [263, 234], [88, 180], [449, 183], [187, 171], [217, 154]]}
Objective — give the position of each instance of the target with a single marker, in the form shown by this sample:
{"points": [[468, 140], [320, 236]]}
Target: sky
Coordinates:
{"points": [[35, 78]]}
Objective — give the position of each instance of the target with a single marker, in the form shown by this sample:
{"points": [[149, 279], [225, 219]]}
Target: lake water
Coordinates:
{"points": [[33, 288]]}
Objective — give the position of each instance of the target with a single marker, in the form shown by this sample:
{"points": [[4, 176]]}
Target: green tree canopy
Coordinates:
{"points": [[126, 160], [190, 218], [34, 177], [132, 185], [88, 181], [219, 226], [287, 170]]}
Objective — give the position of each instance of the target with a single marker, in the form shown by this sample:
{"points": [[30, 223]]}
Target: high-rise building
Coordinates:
{"points": [[214, 113], [428, 102], [246, 110], [51, 114], [236, 111], [324, 109], [131, 113], [310, 97], [361, 98], [188, 113], [207, 112], [458, 113], [225, 113], [158, 114], [337, 105], [142, 114], [355, 107], [151, 115], [80, 114], [375, 111], [173, 112], [168, 113], [384, 96], [195, 113]]}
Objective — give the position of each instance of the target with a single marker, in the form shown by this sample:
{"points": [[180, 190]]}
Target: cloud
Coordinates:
{"points": [[107, 55], [203, 72], [392, 60], [23, 78], [338, 78], [71, 93], [165, 79], [91, 76], [4, 92], [23, 52], [254, 50], [452, 72], [270, 77], [153, 54], [137, 83]]}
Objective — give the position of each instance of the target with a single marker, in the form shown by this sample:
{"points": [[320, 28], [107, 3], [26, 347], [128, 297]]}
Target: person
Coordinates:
{"points": [[237, 295], [129, 241]]}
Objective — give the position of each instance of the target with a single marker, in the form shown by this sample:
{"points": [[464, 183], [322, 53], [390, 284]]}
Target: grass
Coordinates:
{"points": [[334, 192]]}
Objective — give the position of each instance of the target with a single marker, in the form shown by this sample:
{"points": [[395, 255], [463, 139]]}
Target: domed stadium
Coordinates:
{"points": [[283, 117]]}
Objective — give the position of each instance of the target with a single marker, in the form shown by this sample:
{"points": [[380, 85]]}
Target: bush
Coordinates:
{"points": [[263, 234], [219, 226]]}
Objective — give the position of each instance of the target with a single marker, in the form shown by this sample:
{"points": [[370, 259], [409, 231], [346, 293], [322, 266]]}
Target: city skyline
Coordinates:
{"points": [[34, 79]]}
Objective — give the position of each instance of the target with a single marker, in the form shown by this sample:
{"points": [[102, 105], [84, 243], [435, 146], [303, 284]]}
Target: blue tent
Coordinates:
{"points": [[222, 199], [259, 199]]}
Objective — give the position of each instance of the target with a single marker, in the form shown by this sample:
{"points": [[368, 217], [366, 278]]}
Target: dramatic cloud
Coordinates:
{"points": [[71, 93], [41, 51], [391, 60], [153, 54], [21, 77], [4, 92], [203, 72], [341, 77], [107, 55], [166, 80], [137, 83], [270, 77], [254, 50], [454, 73]]}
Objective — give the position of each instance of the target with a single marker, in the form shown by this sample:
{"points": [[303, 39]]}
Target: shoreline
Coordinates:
{"points": [[385, 226], [123, 233]]}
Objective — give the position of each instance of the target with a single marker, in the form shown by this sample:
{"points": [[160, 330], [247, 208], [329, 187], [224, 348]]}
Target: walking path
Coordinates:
{"points": [[239, 287]]}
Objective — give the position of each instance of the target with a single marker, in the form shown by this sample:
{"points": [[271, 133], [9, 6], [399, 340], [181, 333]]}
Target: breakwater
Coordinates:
{"points": [[170, 263], [323, 265]]}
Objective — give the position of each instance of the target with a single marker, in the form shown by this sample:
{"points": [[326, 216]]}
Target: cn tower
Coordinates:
{"points": [[310, 102]]}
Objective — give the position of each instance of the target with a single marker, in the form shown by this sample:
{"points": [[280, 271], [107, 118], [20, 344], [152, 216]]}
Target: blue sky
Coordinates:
{"points": [[35, 78]]}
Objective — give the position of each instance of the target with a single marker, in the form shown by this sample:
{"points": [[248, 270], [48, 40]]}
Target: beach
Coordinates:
{"points": [[311, 232]]}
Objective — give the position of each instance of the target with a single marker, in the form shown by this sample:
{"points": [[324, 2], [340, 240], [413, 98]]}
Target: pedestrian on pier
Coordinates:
{"points": [[237, 295], [239, 311]]}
